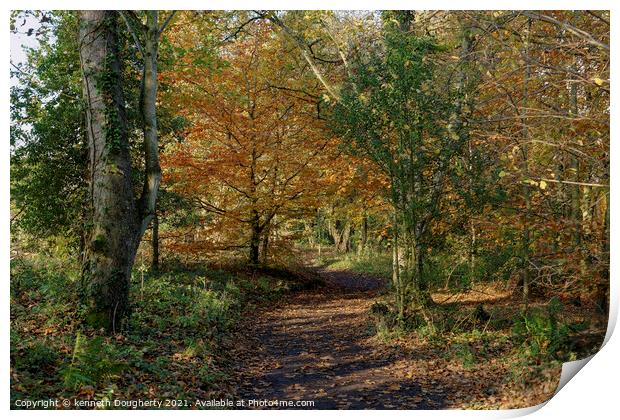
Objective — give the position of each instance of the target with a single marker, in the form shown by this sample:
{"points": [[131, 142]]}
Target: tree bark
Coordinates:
{"points": [[111, 245], [463, 130], [602, 286], [341, 235], [265, 246], [396, 276], [415, 268], [149, 117], [363, 235], [345, 239], [525, 258]]}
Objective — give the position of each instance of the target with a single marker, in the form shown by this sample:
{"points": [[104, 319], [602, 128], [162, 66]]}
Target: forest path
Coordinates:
{"points": [[318, 345]]}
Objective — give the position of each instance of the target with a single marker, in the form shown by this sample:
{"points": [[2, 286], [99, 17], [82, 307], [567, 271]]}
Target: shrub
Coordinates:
{"points": [[465, 354]]}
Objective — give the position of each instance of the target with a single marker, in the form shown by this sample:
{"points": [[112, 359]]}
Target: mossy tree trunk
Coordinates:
{"points": [[117, 219], [114, 223]]}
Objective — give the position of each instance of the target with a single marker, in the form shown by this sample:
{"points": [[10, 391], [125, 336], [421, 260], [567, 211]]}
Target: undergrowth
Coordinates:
{"points": [[180, 319]]}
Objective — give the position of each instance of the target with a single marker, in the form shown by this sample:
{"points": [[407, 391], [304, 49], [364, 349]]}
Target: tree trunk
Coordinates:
{"points": [[155, 244], [149, 117], [334, 233], [255, 242], [525, 257], [602, 286], [340, 236], [111, 245], [575, 195], [396, 275], [464, 109], [363, 235], [265, 246], [118, 220], [472, 252], [421, 287], [345, 239], [579, 204]]}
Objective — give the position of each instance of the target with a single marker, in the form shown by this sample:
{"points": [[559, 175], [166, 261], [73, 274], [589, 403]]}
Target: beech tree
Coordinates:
{"points": [[254, 147]]}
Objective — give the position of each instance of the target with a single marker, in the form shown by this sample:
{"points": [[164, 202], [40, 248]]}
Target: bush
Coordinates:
{"points": [[465, 354]]}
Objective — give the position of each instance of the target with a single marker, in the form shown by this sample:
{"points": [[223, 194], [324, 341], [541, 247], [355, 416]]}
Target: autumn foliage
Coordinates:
{"points": [[256, 153]]}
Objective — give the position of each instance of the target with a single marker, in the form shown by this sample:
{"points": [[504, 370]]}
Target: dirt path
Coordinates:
{"points": [[319, 346]]}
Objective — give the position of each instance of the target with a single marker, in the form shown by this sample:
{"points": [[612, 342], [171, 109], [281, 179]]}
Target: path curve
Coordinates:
{"points": [[319, 346]]}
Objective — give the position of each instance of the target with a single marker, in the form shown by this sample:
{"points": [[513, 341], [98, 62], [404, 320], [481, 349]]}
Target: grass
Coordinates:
{"points": [[376, 264]]}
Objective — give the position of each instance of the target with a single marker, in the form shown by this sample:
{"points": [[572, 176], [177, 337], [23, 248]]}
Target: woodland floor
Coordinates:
{"points": [[321, 345]]}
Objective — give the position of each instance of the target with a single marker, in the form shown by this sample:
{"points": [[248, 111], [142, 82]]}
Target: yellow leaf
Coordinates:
{"points": [[598, 81], [542, 185]]}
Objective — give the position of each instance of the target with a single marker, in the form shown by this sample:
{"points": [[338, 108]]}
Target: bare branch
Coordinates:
{"points": [[585, 184], [570, 28], [241, 27], [305, 52]]}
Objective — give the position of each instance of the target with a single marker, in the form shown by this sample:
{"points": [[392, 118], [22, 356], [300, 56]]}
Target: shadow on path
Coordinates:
{"points": [[317, 346]]}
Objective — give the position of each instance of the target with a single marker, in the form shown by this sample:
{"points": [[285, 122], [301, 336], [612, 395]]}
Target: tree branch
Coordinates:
{"points": [[570, 28], [166, 22], [126, 16], [305, 52]]}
